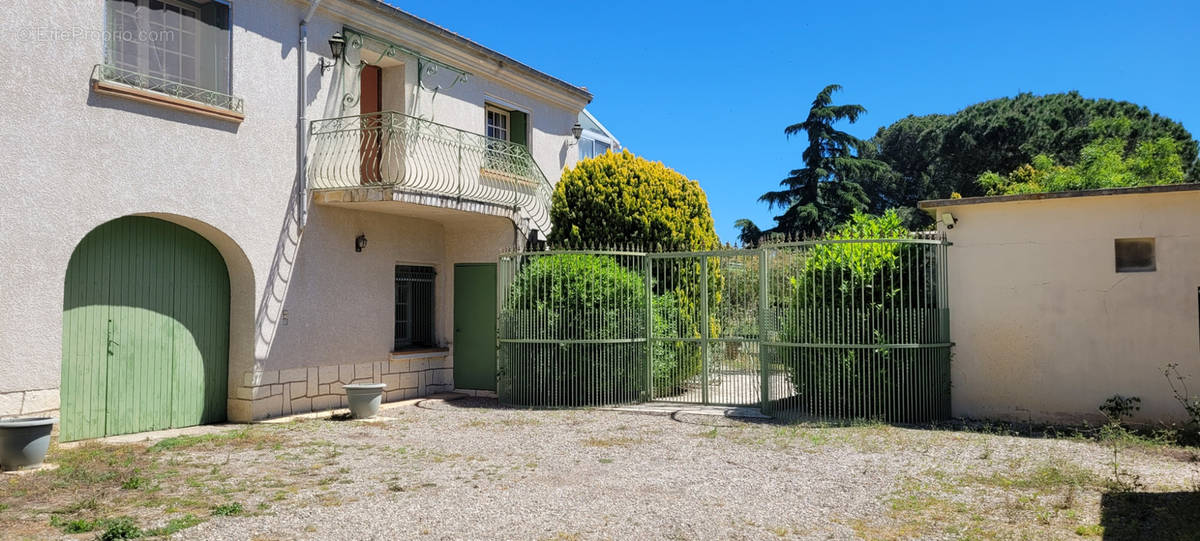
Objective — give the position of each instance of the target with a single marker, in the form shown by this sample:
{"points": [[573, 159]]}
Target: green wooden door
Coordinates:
{"points": [[145, 330], [475, 326]]}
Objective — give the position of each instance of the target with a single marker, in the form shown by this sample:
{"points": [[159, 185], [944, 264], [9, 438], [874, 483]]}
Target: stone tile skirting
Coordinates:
{"points": [[274, 393], [42, 403]]}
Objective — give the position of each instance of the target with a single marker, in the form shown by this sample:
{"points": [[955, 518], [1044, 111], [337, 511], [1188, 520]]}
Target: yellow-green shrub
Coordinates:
{"points": [[622, 199]]}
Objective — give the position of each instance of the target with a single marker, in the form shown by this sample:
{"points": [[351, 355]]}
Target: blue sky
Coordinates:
{"points": [[708, 87]]}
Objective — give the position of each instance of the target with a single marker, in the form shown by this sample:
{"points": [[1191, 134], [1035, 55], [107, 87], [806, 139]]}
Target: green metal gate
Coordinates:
{"points": [[572, 328], [829, 329], [704, 333], [145, 330]]}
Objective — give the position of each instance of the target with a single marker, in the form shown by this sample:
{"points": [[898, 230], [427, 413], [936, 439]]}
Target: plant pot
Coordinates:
{"points": [[24, 441], [364, 399]]}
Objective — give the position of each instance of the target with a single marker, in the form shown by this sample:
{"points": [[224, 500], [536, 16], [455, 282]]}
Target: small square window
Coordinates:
{"points": [[1135, 255]]}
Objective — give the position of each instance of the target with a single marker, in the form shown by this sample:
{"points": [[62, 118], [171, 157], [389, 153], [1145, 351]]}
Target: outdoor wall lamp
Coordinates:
{"points": [[577, 131], [360, 242], [949, 220], [337, 47]]}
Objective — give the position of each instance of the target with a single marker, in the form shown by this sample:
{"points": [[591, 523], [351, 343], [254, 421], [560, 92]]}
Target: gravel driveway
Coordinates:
{"points": [[470, 469]]}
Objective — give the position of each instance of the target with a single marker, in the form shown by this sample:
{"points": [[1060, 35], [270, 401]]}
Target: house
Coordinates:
{"points": [[225, 210], [595, 138]]}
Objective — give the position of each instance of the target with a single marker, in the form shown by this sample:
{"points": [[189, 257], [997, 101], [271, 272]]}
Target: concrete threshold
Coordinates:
{"points": [[669, 408]]}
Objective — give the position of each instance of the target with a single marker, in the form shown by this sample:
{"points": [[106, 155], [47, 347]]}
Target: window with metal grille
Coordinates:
{"points": [[414, 307]]}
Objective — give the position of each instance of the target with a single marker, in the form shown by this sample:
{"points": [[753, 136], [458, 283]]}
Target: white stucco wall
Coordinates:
{"points": [[1046, 329], [76, 159]]}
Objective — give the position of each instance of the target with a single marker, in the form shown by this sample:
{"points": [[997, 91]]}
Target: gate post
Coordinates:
{"points": [[704, 328], [649, 328], [764, 360]]}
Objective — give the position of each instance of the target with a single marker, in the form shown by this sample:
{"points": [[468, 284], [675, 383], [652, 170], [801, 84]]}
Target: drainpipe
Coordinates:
{"points": [[302, 117]]}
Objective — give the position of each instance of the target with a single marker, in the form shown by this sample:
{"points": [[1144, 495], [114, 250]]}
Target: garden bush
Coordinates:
{"points": [[622, 199]]}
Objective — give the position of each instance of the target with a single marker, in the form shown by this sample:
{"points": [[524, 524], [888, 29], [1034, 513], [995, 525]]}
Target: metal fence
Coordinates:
{"points": [[830, 329]]}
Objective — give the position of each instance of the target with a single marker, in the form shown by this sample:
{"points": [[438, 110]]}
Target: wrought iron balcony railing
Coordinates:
{"points": [[113, 74], [393, 150]]}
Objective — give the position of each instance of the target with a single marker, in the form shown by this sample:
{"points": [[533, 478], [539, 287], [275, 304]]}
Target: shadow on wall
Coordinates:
{"points": [[270, 309], [1145, 515]]}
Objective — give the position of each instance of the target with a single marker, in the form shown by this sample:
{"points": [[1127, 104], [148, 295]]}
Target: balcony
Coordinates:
{"points": [[390, 156]]}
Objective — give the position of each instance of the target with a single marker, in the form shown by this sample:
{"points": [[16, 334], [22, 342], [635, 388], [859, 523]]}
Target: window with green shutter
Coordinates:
{"points": [[507, 125]]}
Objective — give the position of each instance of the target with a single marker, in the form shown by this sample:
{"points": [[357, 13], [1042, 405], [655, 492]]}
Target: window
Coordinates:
{"points": [[590, 148], [511, 127], [181, 41], [506, 124], [414, 307], [497, 123], [1135, 255]]}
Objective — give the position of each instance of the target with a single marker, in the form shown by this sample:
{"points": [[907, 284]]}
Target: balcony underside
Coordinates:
{"points": [[396, 200]]}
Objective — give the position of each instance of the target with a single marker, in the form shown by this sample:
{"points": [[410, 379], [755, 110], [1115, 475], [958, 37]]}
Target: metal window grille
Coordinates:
{"points": [[414, 307]]}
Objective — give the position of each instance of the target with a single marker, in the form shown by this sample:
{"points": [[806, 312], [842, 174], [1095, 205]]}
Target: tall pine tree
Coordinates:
{"points": [[824, 192]]}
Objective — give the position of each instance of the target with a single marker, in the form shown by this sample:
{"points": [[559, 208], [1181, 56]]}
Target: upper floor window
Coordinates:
{"points": [[506, 125], [182, 41], [497, 123], [590, 148]]}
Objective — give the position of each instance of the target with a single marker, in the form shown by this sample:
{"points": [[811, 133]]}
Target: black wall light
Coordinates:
{"points": [[337, 47], [360, 242]]}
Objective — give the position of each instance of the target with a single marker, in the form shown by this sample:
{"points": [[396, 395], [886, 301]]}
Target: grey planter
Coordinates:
{"points": [[364, 399], [24, 441]]}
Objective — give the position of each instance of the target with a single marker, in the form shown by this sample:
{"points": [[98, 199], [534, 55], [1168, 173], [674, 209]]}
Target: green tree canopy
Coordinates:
{"points": [[934, 156], [624, 199], [1103, 163], [824, 192]]}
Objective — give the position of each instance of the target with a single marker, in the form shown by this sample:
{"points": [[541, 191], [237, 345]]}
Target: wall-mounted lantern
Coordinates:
{"points": [[360, 242], [337, 47], [577, 131]]}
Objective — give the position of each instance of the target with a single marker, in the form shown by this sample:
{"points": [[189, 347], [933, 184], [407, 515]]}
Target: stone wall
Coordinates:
{"points": [[291, 391]]}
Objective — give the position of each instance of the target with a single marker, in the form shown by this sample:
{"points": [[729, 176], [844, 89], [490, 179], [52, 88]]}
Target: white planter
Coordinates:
{"points": [[364, 399]]}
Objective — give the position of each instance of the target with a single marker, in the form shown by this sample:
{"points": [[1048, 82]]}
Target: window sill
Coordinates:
{"points": [[171, 102], [419, 353]]}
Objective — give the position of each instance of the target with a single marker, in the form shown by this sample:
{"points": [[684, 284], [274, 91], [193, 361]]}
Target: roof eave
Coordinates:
{"points": [[571, 93], [932, 204]]}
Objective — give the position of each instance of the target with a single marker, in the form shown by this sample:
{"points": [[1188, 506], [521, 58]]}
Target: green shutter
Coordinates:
{"points": [[518, 130], [145, 330]]}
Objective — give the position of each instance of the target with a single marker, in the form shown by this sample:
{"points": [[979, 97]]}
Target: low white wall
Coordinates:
{"points": [[1044, 326]]}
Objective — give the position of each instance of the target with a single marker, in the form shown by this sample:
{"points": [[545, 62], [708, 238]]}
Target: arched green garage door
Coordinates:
{"points": [[145, 330]]}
